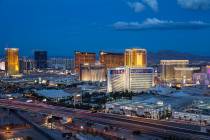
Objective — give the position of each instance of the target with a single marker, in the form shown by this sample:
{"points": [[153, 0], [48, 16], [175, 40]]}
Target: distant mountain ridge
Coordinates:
{"points": [[155, 57]]}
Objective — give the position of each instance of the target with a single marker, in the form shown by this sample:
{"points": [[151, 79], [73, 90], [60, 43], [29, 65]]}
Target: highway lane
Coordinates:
{"points": [[150, 121], [176, 127], [153, 131], [156, 126], [82, 112], [163, 122]]}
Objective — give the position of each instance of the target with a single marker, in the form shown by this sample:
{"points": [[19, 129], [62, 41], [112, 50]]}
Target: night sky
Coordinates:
{"points": [[62, 26]]}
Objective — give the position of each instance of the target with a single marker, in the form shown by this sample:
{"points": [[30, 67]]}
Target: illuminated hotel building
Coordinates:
{"points": [[129, 79], [134, 76], [168, 68], [12, 61], [111, 60], [185, 75], [2, 65], [83, 58], [140, 79], [116, 79], [92, 72], [135, 57], [200, 78], [208, 71]]}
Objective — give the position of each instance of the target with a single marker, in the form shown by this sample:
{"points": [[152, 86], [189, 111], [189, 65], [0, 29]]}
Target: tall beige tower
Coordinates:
{"points": [[12, 61]]}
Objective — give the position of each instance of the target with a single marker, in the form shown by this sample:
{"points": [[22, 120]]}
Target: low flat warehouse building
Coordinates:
{"points": [[54, 95], [150, 108], [129, 79]]}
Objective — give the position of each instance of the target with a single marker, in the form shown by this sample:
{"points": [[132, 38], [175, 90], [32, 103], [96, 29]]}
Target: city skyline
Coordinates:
{"points": [[105, 69], [60, 27]]}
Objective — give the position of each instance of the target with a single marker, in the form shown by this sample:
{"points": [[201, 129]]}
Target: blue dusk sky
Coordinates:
{"points": [[62, 26]]}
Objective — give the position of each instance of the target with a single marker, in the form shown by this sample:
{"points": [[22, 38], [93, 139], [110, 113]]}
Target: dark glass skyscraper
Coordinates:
{"points": [[40, 58]]}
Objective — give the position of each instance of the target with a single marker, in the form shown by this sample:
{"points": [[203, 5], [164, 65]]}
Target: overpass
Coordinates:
{"points": [[147, 126]]}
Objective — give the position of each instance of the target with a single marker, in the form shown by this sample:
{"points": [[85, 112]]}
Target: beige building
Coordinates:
{"points": [[185, 75], [92, 72], [12, 61], [168, 69]]}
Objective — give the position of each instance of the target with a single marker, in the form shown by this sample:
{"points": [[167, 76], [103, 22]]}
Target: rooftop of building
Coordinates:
{"points": [[97, 64], [136, 49], [110, 53], [53, 93], [124, 67], [174, 62], [152, 103], [187, 68], [15, 50], [79, 52], [180, 99]]}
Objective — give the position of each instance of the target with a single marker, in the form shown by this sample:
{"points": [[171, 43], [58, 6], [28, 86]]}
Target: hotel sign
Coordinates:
{"points": [[141, 70], [113, 72]]}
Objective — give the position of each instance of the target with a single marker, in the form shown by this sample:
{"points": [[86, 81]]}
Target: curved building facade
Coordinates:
{"points": [[116, 79], [129, 79]]}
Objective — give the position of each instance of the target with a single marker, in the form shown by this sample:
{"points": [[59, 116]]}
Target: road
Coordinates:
{"points": [[147, 126]]}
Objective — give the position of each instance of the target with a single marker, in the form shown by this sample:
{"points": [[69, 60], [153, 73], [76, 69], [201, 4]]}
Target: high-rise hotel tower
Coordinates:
{"points": [[83, 58], [135, 57], [135, 76], [111, 60], [12, 61], [168, 69]]}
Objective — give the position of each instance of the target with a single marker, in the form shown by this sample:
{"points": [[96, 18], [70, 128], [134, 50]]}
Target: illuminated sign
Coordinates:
{"points": [[122, 71], [141, 71]]}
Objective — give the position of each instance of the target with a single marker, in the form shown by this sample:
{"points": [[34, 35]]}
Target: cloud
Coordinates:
{"points": [[136, 6], [195, 4], [152, 4], [154, 24]]}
